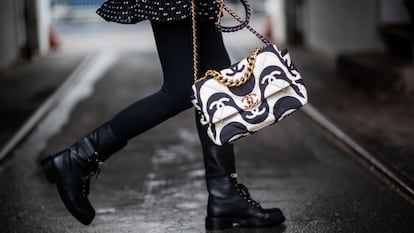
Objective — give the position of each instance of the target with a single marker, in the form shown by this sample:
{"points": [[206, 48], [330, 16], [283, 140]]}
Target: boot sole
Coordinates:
{"points": [[227, 223], [49, 169], [219, 223]]}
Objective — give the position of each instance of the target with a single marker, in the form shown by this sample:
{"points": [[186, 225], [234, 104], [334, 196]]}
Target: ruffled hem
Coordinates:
{"points": [[134, 11]]}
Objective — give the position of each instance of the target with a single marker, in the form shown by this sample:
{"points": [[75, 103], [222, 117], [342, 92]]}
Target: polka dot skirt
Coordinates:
{"points": [[134, 11]]}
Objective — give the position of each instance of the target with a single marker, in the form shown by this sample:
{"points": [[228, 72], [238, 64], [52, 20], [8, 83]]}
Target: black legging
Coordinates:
{"points": [[174, 45]]}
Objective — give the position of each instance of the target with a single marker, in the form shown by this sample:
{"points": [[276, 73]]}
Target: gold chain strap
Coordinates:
{"points": [[230, 11], [195, 44], [236, 82], [213, 73]]}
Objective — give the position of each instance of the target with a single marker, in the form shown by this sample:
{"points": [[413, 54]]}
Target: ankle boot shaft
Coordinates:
{"points": [[103, 142], [219, 161], [91, 150]]}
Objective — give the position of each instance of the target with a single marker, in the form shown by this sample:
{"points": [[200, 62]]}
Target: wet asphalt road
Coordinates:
{"points": [[156, 183]]}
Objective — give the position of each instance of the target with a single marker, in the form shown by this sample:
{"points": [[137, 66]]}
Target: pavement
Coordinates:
{"points": [[156, 183]]}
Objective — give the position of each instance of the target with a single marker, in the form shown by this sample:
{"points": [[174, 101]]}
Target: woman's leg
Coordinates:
{"points": [[72, 168], [229, 202], [174, 45]]}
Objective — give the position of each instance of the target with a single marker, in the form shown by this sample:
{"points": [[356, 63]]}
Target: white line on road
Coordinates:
{"points": [[54, 112]]}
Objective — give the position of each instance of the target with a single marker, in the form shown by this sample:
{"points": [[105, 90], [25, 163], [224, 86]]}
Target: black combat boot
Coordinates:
{"points": [[72, 168], [229, 202]]}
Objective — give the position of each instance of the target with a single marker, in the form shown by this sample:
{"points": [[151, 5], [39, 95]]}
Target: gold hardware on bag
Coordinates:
{"points": [[230, 82], [233, 175], [250, 101], [213, 73]]}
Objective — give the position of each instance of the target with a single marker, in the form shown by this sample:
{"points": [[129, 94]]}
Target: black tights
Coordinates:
{"points": [[174, 45]]}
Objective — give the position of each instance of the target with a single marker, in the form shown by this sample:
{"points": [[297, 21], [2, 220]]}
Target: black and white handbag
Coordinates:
{"points": [[253, 93]]}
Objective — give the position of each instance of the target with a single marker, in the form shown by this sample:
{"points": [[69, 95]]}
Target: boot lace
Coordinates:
{"points": [[93, 170], [244, 193]]}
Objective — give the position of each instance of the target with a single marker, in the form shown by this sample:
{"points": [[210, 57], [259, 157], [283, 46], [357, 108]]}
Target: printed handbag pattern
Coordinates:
{"points": [[274, 91]]}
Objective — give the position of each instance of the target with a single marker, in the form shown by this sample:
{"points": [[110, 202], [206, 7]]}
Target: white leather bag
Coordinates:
{"points": [[256, 92]]}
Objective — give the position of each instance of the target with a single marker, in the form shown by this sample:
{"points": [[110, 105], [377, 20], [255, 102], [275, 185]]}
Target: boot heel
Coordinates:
{"points": [[48, 169], [218, 223]]}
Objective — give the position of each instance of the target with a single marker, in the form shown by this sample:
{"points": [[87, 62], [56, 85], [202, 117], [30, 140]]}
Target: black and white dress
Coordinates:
{"points": [[134, 11]]}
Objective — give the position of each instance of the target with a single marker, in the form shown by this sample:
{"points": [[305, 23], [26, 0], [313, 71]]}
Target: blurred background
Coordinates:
{"points": [[34, 27], [356, 58]]}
